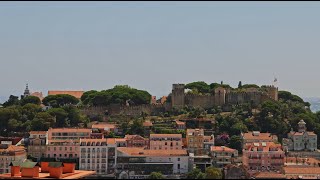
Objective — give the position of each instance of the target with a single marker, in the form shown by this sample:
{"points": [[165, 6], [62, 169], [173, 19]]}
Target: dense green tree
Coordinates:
{"points": [[61, 117], [30, 99], [156, 175], [236, 143], [42, 122], [250, 86], [237, 128], [199, 86], [120, 94], [195, 174], [240, 84], [60, 100], [73, 114], [14, 125], [287, 96], [213, 173], [13, 100], [136, 128], [30, 111]]}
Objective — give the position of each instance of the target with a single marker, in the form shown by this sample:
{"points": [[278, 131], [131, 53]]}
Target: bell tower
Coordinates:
{"points": [[26, 91], [302, 126]]}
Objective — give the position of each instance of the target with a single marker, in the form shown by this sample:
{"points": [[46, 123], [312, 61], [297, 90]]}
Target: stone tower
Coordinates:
{"points": [[220, 96], [177, 96], [302, 126], [273, 92], [26, 92]]}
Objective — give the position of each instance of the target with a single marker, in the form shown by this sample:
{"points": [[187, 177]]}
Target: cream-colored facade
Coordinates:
{"points": [[9, 153], [37, 144], [302, 140]]}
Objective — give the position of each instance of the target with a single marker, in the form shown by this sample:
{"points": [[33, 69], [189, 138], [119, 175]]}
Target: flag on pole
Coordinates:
{"points": [[275, 80]]}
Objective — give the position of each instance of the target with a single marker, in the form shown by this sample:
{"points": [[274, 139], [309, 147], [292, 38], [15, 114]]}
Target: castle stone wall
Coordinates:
{"points": [[204, 101]]}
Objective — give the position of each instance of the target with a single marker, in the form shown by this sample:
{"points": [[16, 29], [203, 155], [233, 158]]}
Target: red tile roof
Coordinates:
{"points": [[264, 146], [180, 123], [222, 149], [269, 175], [302, 170], [147, 123], [261, 136], [103, 126]]}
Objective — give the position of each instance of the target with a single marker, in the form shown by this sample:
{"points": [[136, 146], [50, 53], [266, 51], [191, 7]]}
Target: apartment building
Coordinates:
{"points": [[37, 144], [165, 141], [64, 142], [9, 153], [222, 156], [263, 156], [98, 155], [197, 142]]}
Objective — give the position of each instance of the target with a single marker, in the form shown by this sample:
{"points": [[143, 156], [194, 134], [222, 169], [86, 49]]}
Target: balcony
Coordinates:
{"points": [[277, 157], [254, 157], [111, 157]]}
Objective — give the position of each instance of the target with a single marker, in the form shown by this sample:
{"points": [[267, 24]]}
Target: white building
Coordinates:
{"points": [[141, 162], [302, 140], [98, 155]]}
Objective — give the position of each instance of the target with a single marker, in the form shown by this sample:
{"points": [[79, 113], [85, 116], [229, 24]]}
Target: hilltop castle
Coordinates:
{"points": [[221, 97]]}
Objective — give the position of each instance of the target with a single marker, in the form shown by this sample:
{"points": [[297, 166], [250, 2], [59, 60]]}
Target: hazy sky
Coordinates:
{"points": [[151, 45]]}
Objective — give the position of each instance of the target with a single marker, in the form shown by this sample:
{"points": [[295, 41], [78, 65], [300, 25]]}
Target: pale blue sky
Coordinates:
{"points": [[151, 45]]}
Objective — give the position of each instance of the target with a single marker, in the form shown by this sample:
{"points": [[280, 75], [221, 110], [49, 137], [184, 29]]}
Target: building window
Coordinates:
{"points": [[54, 148], [65, 148], [60, 148], [60, 155], [178, 166], [178, 159], [70, 148]]}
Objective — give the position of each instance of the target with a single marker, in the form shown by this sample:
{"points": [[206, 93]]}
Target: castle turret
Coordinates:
{"points": [[302, 126], [220, 96], [273, 92], [177, 98]]}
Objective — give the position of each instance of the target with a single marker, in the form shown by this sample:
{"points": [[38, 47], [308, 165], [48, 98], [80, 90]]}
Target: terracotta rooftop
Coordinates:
{"points": [[259, 136], [222, 149], [147, 123], [180, 123], [302, 170], [76, 94], [166, 135], [38, 132], [147, 152], [78, 174], [120, 139], [263, 146], [103, 126], [11, 148], [269, 175]]}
